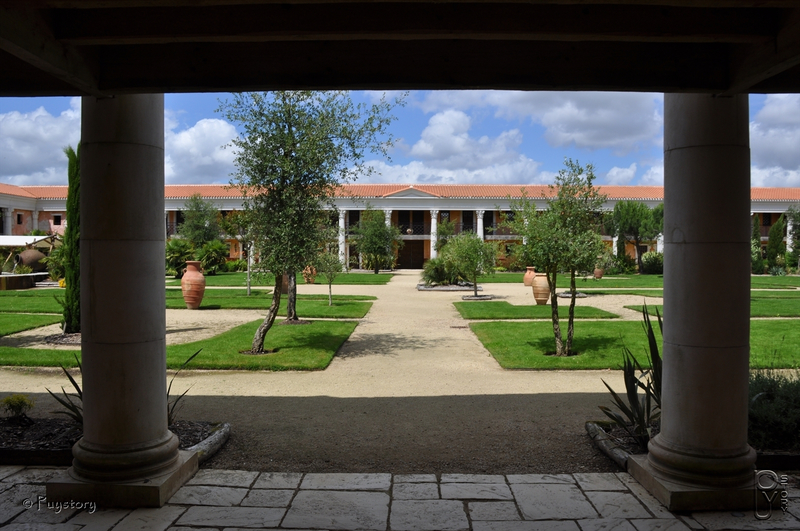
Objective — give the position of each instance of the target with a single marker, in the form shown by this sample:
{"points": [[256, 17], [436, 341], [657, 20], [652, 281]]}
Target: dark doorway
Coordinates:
{"points": [[411, 255]]}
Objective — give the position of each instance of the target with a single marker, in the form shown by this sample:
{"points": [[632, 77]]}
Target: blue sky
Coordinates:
{"points": [[442, 137]]}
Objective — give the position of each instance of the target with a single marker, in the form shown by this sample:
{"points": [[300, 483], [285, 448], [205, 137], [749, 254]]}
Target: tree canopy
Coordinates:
{"points": [[376, 241], [635, 222], [200, 223], [470, 256], [72, 244], [564, 237], [295, 149]]}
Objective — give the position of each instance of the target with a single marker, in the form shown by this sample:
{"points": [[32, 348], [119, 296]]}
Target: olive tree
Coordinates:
{"points": [[295, 149], [200, 224], [376, 240], [635, 222], [563, 238], [470, 256]]}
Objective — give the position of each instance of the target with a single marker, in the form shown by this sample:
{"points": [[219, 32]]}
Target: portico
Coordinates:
{"points": [[121, 56]]}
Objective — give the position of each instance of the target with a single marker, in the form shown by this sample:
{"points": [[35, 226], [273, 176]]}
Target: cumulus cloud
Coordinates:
{"points": [[621, 176], [447, 153], [197, 153], [32, 145], [654, 176], [774, 141], [622, 122]]}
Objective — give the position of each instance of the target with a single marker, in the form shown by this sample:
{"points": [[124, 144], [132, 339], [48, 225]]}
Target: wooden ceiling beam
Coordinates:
{"points": [[25, 35], [757, 63], [413, 21]]}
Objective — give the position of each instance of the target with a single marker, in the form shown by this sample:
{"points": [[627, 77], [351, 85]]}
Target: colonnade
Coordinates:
{"points": [[701, 459]]}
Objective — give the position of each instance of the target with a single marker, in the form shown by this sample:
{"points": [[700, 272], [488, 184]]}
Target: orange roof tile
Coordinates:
{"points": [[775, 194], [10, 189], [185, 191], [46, 192]]}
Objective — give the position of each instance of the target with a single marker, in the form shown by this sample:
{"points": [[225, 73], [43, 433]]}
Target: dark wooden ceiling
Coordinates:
{"points": [[103, 47]]}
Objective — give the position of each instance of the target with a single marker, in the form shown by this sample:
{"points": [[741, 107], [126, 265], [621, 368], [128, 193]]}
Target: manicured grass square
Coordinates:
{"points": [[504, 310]]}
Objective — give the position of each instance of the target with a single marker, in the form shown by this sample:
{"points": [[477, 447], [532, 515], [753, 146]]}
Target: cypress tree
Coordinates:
{"points": [[72, 244]]}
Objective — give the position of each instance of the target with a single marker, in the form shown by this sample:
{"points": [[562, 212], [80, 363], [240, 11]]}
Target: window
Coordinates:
{"points": [[56, 219], [19, 219], [766, 219]]}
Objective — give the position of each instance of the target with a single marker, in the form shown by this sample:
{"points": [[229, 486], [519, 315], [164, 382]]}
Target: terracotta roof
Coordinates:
{"points": [[775, 194], [457, 191], [10, 189], [213, 191], [46, 192]]}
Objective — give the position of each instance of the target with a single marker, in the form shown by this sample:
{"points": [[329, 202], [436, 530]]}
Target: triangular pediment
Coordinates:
{"points": [[411, 192]]}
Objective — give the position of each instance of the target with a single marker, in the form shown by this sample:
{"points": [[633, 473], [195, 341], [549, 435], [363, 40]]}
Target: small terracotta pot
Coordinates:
{"points": [[541, 290], [527, 279], [598, 273], [193, 285]]}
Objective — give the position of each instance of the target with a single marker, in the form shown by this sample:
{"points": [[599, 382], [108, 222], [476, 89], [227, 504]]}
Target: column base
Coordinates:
{"points": [[685, 497], [149, 492]]}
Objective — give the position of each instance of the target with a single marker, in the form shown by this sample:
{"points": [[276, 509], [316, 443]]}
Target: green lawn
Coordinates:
{"points": [[640, 292], [31, 301], [523, 345], [639, 281], [759, 307], [240, 279], [504, 310], [342, 309], [297, 347], [13, 323]]}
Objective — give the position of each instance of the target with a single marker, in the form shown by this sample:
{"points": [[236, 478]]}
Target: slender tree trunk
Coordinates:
{"points": [[638, 254], [291, 301], [248, 270], [475, 285], [571, 321], [330, 293], [551, 281], [261, 333]]}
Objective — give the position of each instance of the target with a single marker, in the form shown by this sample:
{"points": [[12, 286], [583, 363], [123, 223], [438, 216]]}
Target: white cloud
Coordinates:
{"points": [[32, 145], [622, 122], [621, 176], [654, 176], [774, 176], [197, 154], [775, 137], [521, 171]]}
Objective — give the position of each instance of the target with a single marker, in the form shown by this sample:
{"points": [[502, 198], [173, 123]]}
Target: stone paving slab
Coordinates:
{"points": [[659, 524], [606, 524], [473, 478], [563, 525], [338, 510], [429, 515], [100, 520], [224, 478], [150, 519], [260, 517], [7, 470], [415, 478], [500, 510], [209, 495], [415, 491], [548, 501], [541, 478], [268, 498], [42, 527], [278, 480], [476, 491], [617, 505], [599, 481], [647, 499], [747, 521], [347, 481]]}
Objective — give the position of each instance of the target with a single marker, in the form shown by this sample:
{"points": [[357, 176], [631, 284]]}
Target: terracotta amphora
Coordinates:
{"points": [[193, 285], [541, 290], [527, 279]]}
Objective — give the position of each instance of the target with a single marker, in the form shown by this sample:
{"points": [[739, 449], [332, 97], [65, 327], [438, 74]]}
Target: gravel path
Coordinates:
{"points": [[411, 391]]}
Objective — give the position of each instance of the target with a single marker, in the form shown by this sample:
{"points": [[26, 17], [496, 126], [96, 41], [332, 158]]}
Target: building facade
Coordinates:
{"points": [[416, 210]]}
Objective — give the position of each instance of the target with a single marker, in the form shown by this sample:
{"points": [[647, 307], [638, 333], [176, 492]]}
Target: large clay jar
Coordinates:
{"points": [[527, 279], [193, 285], [541, 290], [31, 258], [598, 273]]}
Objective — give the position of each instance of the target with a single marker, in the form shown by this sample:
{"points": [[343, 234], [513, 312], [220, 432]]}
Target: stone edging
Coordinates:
{"points": [[209, 446], [606, 445]]}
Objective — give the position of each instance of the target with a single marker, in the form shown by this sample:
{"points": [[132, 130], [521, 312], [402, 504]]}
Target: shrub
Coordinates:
{"points": [[774, 419], [17, 405], [56, 263], [439, 271], [178, 252], [23, 270], [652, 263], [622, 265], [756, 258], [777, 271], [775, 245], [237, 265], [213, 257]]}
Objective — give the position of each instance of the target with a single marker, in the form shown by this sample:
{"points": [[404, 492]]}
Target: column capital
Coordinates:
{"points": [[480, 213], [434, 213]]}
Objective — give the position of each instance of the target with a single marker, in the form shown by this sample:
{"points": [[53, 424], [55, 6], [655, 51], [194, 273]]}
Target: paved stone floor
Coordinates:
{"points": [[238, 500]]}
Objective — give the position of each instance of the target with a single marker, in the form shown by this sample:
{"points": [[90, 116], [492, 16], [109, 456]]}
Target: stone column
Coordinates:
{"points": [[342, 239], [127, 456], [789, 242], [434, 228], [660, 243], [8, 221], [479, 214], [614, 243], [701, 459], [388, 213]]}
